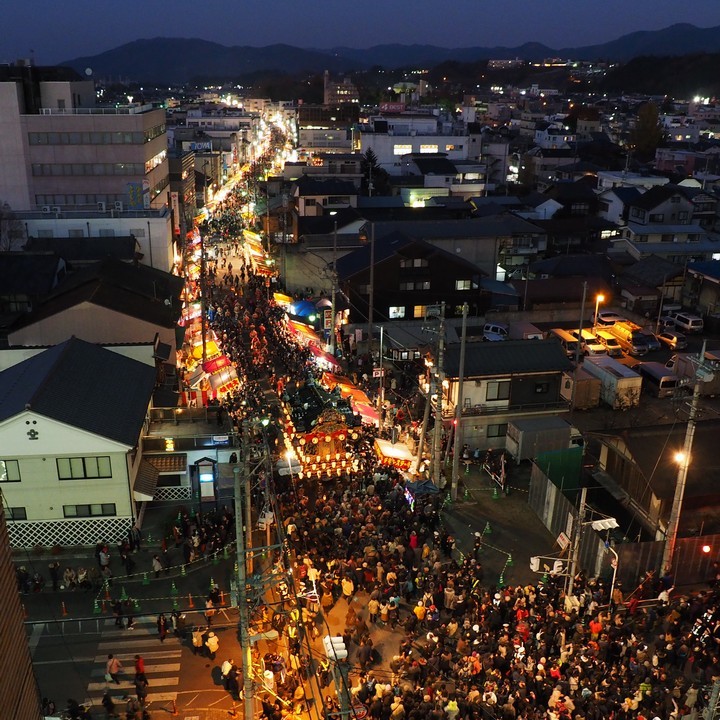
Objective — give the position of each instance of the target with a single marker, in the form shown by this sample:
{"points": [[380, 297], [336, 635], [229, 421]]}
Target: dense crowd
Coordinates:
{"points": [[469, 649]]}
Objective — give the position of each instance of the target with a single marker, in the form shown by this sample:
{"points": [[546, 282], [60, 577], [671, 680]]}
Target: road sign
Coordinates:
{"points": [[378, 372], [563, 540], [432, 311]]}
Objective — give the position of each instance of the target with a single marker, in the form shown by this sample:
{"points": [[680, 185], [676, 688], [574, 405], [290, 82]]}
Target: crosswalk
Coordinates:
{"points": [[162, 662]]}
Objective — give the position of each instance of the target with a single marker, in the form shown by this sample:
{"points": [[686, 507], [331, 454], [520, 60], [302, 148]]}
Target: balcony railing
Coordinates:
{"points": [[475, 410]]}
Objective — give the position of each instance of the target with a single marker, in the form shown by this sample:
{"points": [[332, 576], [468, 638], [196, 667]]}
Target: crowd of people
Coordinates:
{"points": [[468, 648]]}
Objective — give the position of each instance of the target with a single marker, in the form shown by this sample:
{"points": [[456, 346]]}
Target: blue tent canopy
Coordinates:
{"points": [[422, 487], [302, 308]]}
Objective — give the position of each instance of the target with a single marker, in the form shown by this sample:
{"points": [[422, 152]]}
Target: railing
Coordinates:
{"points": [[121, 110], [476, 410]]}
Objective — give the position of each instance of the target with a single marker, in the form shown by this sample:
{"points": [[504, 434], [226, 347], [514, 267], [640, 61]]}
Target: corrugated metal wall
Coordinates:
{"points": [[19, 698]]}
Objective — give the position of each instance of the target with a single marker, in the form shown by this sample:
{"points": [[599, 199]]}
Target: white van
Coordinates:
{"points": [[570, 344], [591, 344], [688, 323], [610, 342], [496, 331]]}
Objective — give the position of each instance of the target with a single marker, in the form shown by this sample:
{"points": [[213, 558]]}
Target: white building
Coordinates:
{"points": [[71, 422]]}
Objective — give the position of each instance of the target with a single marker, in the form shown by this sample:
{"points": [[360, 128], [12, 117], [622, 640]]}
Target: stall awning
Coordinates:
{"points": [[282, 299], [224, 380], [323, 357], [145, 482], [368, 413], [304, 332], [216, 363], [195, 378], [395, 454], [211, 348]]}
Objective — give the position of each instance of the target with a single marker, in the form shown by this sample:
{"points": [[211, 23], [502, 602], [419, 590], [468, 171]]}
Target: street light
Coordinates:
{"points": [[334, 282], [598, 299]]}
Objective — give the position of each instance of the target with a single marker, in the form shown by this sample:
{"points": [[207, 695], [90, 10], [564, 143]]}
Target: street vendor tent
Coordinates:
{"points": [[304, 332], [325, 358], [302, 308], [396, 454], [369, 415], [422, 487]]}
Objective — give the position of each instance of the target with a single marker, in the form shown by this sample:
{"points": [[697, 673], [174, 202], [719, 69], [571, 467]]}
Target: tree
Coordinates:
{"points": [[375, 180], [12, 231], [647, 133]]}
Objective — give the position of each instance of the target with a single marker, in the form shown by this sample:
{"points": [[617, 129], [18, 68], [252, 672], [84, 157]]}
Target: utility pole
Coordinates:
{"points": [[578, 346], [371, 298], [244, 619], [577, 537], [674, 522], [382, 368], [423, 433], [458, 409], [203, 303], [440, 376], [334, 284]]}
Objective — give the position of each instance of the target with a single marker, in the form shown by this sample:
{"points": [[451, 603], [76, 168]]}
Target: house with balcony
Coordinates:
{"points": [[504, 381], [660, 222], [461, 179], [317, 197], [71, 422]]}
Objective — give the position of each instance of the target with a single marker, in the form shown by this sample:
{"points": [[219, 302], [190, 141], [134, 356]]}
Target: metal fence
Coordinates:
{"points": [[692, 562]]}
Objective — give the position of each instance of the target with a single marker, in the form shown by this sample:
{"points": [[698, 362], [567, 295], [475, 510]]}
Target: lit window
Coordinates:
{"points": [[402, 149], [419, 311], [463, 284], [396, 312], [9, 471], [428, 149]]}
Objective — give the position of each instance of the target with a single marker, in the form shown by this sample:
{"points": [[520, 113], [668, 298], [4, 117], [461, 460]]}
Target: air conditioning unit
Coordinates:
{"points": [[56, 209], [118, 205], [46, 209], [101, 206]]}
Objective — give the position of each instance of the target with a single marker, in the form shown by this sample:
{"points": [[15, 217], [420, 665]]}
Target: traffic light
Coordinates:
{"points": [[604, 524], [535, 564], [335, 647], [557, 567]]}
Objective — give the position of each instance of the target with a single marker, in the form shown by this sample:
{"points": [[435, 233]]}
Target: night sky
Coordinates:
{"points": [[56, 31]]}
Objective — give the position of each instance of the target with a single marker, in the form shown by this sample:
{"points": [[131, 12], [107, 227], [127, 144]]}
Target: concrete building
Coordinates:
{"points": [[339, 93], [65, 158]]}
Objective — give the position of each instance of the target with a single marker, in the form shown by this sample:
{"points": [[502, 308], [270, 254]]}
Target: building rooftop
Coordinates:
{"points": [[81, 385]]}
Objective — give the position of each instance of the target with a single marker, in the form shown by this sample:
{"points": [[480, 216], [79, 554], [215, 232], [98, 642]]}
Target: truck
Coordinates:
{"points": [[525, 331], [685, 365], [620, 387], [528, 437], [587, 389]]}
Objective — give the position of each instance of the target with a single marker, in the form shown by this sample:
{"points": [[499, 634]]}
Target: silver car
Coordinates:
{"points": [[673, 339]]}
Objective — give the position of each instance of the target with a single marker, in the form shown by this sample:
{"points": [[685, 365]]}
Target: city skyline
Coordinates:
{"points": [[83, 28]]}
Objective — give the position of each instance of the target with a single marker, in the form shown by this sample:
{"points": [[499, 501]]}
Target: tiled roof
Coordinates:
{"points": [[81, 385]]}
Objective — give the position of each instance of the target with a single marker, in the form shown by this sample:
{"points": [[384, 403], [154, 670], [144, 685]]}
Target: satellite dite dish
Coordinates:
{"points": [[88, 71]]}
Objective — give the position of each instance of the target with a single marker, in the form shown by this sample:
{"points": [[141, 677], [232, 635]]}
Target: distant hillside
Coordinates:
{"points": [[181, 60]]}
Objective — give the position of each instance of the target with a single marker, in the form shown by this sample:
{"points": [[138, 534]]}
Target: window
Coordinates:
{"points": [[16, 513], [396, 312], [9, 471], [428, 149], [413, 263], [463, 284], [402, 149], [499, 430], [419, 311], [498, 390], [79, 468], [310, 202], [83, 511], [542, 388], [657, 217]]}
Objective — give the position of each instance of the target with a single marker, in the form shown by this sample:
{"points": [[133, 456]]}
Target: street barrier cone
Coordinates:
{"points": [[467, 468], [222, 597], [466, 495], [64, 609], [545, 577], [102, 605], [212, 583], [123, 594], [216, 559], [488, 529], [107, 590], [501, 580], [235, 569], [173, 589], [174, 708], [136, 604], [495, 494], [146, 579], [149, 538], [182, 571], [191, 604], [226, 556], [175, 604], [96, 607]]}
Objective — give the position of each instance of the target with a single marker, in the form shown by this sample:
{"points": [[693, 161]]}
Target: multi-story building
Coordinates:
{"points": [[68, 162], [335, 93]]}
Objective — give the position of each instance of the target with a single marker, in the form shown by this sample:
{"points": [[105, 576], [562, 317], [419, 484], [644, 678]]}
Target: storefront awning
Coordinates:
{"points": [[368, 413], [168, 463], [324, 358], [396, 454], [216, 363]]}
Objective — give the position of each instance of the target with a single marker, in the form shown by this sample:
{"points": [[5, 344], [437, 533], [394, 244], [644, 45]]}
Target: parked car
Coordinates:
{"points": [[608, 317], [672, 339], [652, 342], [666, 322]]}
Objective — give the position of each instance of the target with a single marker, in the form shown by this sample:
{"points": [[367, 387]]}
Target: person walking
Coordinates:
{"points": [[209, 611], [157, 566], [162, 626], [112, 669], [225, 669], [141, 685], [118, 613], [139, 665], [212, 644], [197, 641]]}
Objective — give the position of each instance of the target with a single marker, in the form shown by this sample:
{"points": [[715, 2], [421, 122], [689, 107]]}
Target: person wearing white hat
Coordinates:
{"points": [[212, 644]]}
